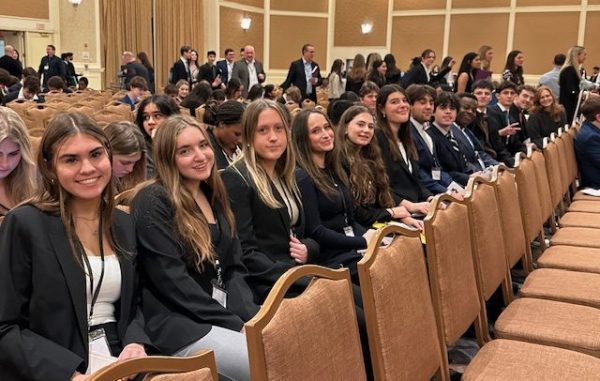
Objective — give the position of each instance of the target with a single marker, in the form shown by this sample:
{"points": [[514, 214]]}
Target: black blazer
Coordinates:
{"points": [[427, 162], [541, 125], [177, 299], [326, 217], [208, 72], [418, 75], [264, 232], [404, 183], [179, 71], [452, 161], [568, 80], [497, 120], [297, 77], [471, 147], [43, 313]]}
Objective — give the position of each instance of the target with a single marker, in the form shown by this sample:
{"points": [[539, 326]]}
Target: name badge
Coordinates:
{"points": [[436, 174], [99, 351], [47, 67], [219, 294], [348, 231]]}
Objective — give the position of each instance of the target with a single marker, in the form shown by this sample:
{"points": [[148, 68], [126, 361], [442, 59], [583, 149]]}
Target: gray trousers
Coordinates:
{"points": [[231, 353]]}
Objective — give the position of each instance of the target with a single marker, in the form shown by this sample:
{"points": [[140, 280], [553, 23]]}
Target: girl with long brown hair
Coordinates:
{"points": [[546, 116]]}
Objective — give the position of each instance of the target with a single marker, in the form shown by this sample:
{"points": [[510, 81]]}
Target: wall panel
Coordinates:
{"points": [[232, 36], [466, 35], [410, 38], [480, 3], [252, 3], [35, 9], [79, 32], [552, 33], [300, 6], [532, 3], [404, 5], [591, 41], [349, 18], [287, 47]]}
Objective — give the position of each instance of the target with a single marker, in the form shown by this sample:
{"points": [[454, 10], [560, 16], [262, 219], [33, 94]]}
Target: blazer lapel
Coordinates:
{"points": [[72, 272], [283, 212], [127, 272]]}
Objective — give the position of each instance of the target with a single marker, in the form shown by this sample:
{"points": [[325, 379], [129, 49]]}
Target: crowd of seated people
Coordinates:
{"points": [[216, 212]]}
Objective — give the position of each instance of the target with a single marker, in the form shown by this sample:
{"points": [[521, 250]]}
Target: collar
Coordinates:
{"points": [[419, 126], [502, 108], [306, 62], [442, 130]]}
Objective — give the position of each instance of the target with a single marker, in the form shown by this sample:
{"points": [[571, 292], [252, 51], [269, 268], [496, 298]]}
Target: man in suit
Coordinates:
{"points": [[180, 69], [132, 68], [225, 66], [305, 74], [432, 176], [420, 72], [29, 91], [70, 74], [503, 122], [468, 143], [50, 66], [587, 144], [209, 72], [522, 103], [248, 70], [452, 159], [137, 87], [9, 63]]}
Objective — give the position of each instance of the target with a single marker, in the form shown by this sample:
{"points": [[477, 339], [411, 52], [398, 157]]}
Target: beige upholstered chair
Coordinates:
{"points": [[401, 324], [529, 200], [543, 188], [313, 336], [82, 108], [19, 106], [38, 116], [201, 367]]}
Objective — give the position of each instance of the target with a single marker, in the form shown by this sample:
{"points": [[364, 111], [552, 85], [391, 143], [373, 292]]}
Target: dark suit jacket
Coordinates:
{"points": [[568, 80], [133, 69], [222, 68], [208, 72], [43, 317], [297, 77], [240, 71], [404, 184], [177, 299], [587, 149], [50, 67], [12, 65], [452, 161], [497, 120], [264, 232], [541, 125], [470, 146], [178, 72], [427, 162], [128, 101], [418, 75]]}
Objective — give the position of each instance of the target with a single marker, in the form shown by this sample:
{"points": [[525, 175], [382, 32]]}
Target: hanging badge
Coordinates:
{"points": [[348, 231], [219, 294], [47, 67], [99, 351], [436, 174]]}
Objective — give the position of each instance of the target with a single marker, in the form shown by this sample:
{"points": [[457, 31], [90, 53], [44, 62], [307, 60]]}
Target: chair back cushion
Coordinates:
{"points": [[203, 374], [544, 195], [511, 218], [553, 170], [529, 199]]}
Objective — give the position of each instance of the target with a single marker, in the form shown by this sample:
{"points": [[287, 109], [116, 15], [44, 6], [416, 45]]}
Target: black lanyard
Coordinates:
{"points": [[96, 292], [339, 189]]}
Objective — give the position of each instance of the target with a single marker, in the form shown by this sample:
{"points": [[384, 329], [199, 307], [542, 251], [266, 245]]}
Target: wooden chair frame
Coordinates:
{"points": [[255, 326], [368, 298], [158, 364]]}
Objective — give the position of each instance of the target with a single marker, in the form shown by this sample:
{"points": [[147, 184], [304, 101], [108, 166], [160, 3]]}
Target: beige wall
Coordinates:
{"points": [[231, 33], [35, 9]]}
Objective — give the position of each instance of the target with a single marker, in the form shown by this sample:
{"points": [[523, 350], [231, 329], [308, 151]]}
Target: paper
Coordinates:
{"points": [[99, 361]]}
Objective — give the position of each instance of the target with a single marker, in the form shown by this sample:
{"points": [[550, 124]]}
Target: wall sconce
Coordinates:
{"points": [[366, 27], [75, 2], [246, 21]]}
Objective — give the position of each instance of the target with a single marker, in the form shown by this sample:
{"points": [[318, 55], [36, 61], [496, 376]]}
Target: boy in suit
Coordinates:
{"points": [[305, 74], [587, 144]]}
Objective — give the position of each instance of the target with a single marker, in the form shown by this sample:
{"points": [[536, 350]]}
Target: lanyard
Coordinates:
{"points": [[336, 185], [94, 293]]}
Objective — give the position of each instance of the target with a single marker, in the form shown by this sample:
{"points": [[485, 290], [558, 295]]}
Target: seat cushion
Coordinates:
{"points": [[576, 236], [580, 196], [584, 206], [548, 322], [574, 258], [502, 360], [580, 219], [564, 286]]}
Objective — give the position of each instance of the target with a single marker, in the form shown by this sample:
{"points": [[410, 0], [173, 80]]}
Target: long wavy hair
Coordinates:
{"points": [[367, 178], [555, 108], [359, 68], [285, 166], [483, 49], [404, 134], [22, 183], [515, 71], [301, 144], [191, 226], [572, 59], [54, 198], [126, 139]]}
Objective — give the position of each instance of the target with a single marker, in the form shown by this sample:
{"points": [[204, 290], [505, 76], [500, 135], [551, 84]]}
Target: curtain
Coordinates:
{"points": [[178, 23], [126, 25]]}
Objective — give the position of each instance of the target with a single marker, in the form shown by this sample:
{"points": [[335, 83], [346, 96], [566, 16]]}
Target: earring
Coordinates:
{"points": [[383, 115]]}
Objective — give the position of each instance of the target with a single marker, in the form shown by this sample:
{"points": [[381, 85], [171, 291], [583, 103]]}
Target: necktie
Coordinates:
{"points": [[452, 140]]}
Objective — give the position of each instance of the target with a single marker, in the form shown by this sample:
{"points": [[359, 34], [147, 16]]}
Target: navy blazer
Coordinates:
{"points": [[471, 146], [497, 120], [587, 150], [297, 77], [222, 68], [43, 317], [428, 161], [452, 161]]}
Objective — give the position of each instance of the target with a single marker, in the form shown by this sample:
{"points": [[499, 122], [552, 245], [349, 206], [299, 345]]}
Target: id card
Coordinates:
{"points": [[99, 351], [348, 231], [436, 174], [219, 294]]}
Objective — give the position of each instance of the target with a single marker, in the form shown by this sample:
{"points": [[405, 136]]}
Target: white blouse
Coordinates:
{"points": [[110, 290]]}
